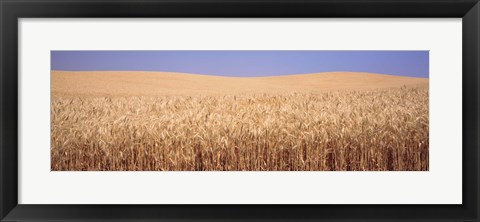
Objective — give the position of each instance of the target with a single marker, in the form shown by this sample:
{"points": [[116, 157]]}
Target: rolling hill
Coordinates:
{"points": [[136, 83]]}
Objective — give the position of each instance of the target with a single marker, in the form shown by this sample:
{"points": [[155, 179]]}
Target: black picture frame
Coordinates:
{"points": [[12, 10]]}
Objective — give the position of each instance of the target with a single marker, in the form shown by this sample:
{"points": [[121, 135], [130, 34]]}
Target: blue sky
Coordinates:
{"points": [[246, 63]]}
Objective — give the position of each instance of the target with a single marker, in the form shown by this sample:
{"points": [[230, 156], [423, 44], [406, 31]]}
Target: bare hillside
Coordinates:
{"points": [[126, 83]]}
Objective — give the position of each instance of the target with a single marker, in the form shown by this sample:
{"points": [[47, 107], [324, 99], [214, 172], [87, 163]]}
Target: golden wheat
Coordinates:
{"points": [[374, 130]]}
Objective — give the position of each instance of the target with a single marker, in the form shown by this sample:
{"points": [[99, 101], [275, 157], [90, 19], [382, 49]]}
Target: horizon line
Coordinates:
{"points": [[246, 63], [229, 76]]}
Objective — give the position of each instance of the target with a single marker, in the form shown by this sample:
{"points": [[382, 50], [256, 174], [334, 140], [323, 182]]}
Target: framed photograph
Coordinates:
{"points": [[207, 110]]}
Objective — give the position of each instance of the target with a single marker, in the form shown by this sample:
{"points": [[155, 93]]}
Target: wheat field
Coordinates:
{"points": [[371, 123]]}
